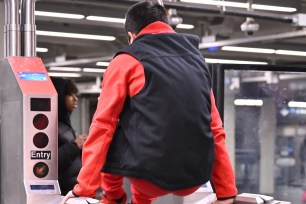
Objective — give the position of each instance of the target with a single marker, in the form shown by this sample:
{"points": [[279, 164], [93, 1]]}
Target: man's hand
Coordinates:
{"points": [[228, 201], [69, 195]]}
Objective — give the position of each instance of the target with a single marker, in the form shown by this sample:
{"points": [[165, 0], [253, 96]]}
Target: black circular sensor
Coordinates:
{"points": [[40, 170], [40, 121], [41, 140]]}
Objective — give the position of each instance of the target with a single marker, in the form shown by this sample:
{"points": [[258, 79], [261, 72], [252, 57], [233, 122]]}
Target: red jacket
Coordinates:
{"points": [[125, 76]]}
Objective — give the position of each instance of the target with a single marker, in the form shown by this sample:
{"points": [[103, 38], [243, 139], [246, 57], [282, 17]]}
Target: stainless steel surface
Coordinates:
{"points": [[19, 185], [51, 131], [12, 28], [11, 141], [28, 28], [47, 199]]}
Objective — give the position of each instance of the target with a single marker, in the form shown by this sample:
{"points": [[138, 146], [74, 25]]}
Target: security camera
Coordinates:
{"points": [[173, 18], [250, 26]]}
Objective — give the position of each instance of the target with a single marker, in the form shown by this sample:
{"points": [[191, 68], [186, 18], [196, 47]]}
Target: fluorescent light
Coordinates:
{"points": [[75, 35], [57, 74], [106, 19], [290, 52], [94, 70], [264, 51], [248, 102], [217, 3], [103, 64], [226, 61], [59, 15], [273, 8], [40, 49], [66, 69], [185, 26], [297, 104], [242, 5], [248, 49]]}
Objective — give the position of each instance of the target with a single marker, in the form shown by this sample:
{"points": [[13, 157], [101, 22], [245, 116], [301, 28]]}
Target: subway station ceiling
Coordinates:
{"points": [[277, 33]]}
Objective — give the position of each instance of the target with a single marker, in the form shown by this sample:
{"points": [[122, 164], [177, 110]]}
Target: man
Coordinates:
{"points": [[156, 121]]}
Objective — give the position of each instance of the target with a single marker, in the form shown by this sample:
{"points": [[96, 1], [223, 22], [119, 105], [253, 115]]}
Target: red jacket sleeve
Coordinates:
{"points": [[124, 76], [223, 175]]}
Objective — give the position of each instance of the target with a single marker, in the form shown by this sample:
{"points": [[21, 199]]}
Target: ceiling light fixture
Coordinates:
{"points": [[297, 104], [103, 64], [65, 69], [185, 26], [41, 49], [105, 19], [248, 102], [248, 49], [242, 5], [264, 51], [59, 15], [75, 35], [290, 52], [274, 8], [94, 70], [226, 61], [57, 74]]}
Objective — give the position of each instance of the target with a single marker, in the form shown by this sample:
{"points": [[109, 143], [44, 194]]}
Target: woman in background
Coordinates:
{"points": [[69, 145]]}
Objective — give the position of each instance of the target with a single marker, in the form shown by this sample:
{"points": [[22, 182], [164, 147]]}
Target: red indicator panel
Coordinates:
{"points": [[31, 75]]}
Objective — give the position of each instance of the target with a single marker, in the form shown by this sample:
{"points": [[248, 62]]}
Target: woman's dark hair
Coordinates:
{"points": [[144, 13], [71, 88]]}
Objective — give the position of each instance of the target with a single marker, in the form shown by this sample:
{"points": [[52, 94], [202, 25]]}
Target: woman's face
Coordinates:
{"points": [[71, 102]]}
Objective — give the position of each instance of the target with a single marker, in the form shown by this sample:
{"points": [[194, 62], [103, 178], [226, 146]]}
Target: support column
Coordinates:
{"points": [[267, 136], [2, 23], [229, 126]]}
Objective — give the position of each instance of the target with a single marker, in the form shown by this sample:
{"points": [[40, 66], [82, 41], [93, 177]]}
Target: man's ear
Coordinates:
{"points": [[132, 37]]}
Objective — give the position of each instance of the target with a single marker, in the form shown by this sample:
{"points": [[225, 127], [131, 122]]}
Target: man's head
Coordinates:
{"points": [[142, 14]]}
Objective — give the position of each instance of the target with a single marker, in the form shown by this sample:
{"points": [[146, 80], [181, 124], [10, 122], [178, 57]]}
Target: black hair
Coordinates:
{"points": [[144, 13], [71, 88]]}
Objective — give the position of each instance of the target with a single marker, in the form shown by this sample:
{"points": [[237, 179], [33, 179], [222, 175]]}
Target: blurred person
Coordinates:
{"points": [[69, 144], [156, 121]]}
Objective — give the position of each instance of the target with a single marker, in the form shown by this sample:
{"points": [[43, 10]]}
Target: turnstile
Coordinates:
{"points": [[28, 143]]}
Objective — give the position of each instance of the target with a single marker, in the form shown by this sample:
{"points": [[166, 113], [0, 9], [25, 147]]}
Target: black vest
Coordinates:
{"points": [[164, 134]]}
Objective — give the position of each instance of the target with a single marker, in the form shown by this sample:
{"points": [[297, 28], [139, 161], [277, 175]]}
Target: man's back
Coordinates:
{"points": [[169, 118]]}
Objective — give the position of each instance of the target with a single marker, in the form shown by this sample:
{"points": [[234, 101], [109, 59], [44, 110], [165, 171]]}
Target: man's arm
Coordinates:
{"points": [[123, 77], [223, 175]]}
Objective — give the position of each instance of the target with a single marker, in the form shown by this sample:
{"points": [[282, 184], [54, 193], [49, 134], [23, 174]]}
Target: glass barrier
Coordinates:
{"points": [[265, 121]]}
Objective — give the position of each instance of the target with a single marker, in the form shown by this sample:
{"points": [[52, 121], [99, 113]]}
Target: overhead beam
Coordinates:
{"points": [[79, 61]]}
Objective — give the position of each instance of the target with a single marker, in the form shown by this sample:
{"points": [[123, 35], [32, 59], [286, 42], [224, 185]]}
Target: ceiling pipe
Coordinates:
{"points": [[202, 8], [28, 27], [288, 35], [12, 28]]}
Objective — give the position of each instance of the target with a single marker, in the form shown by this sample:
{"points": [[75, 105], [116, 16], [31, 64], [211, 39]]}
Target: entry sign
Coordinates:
{"points": [[44, 155]]}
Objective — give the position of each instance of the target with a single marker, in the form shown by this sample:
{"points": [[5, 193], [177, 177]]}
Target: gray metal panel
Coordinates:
{"points": [[10, 89], [11, 160], [12, 154]]}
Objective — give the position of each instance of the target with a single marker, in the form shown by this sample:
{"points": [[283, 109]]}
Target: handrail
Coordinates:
{"points": [[12, 28]]}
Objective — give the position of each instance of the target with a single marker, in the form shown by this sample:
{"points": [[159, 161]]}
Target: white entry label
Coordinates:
{"points": [[46, 155]]}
